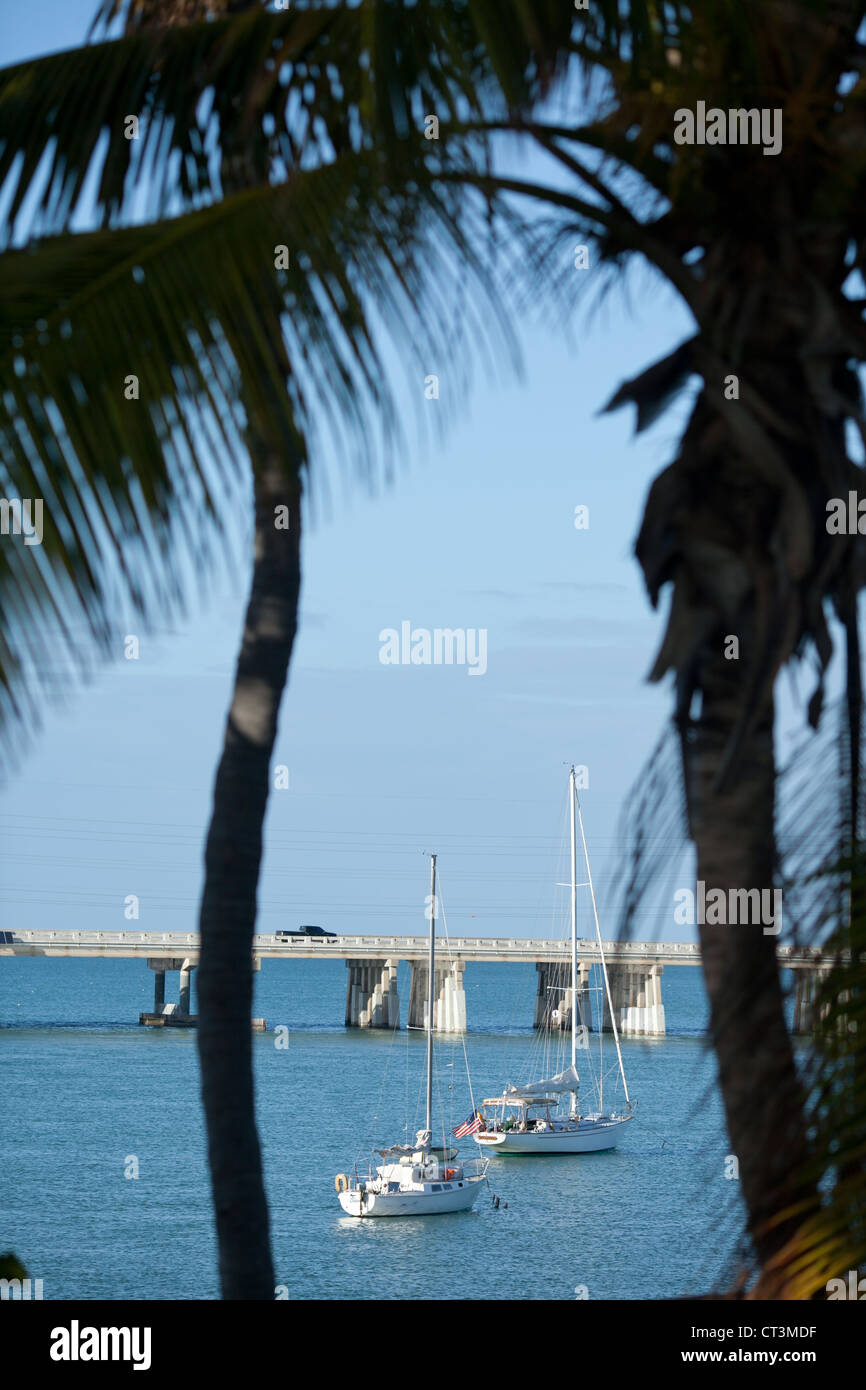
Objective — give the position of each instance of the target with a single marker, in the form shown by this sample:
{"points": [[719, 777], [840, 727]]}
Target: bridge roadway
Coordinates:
{"points": [[635, 970], [502, 949]]}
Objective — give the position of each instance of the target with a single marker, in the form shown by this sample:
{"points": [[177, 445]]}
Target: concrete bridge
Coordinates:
{"points": [[635, 970]]}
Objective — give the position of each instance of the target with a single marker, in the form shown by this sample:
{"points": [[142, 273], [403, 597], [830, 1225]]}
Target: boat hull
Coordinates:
{"points": [[586, 1140], [409, 1203]]}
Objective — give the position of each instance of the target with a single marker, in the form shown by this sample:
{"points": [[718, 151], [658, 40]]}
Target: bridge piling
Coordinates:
{"points": [[183, 1007], [636, 991], [553, 998], [179, 1015], [449, 997], [807, 984], [372, 1000]]}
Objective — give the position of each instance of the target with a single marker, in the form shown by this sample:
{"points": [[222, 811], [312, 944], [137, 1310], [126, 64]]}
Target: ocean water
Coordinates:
{"points": [[85, 1089]]}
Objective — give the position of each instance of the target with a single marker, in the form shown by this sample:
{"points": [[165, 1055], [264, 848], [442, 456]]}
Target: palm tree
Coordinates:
{"points": [[761, 247], [293, 154]]}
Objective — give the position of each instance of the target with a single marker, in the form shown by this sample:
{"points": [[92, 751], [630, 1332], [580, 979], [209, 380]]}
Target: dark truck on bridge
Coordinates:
{"points": [[304, 931]]}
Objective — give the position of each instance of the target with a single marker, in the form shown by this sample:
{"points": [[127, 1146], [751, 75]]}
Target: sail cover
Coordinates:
{"points": [[567, 1080]]}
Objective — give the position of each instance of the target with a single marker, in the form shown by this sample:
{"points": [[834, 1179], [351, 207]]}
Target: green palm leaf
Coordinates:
{"points": [[124, 480], [308, 84]]}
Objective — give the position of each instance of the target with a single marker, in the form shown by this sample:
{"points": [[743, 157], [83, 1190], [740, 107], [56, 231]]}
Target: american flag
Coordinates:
{"points": [[470, 1126]]}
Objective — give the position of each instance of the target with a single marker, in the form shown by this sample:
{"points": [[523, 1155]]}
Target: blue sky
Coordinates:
{"points": [[389, 762]]}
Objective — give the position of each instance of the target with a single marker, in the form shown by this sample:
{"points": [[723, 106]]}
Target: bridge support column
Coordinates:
{"points": [[178, 1015], [177, 1012], [553, 998], [449, 997], [184, 990], [372, 1000], [637, 1000], [807, 984]]}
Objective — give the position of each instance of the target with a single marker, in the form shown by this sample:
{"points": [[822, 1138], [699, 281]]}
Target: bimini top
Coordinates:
{"points": [[514, 1098], [402, 1150]]}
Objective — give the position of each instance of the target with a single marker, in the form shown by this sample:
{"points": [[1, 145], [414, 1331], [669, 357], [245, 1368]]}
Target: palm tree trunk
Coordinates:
{"points": [[733, 831], [232, 860]]}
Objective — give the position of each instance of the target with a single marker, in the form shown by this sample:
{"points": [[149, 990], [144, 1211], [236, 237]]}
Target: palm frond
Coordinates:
{"points": [[824, 876], [824, 890], [275, 89], [128, 469]]}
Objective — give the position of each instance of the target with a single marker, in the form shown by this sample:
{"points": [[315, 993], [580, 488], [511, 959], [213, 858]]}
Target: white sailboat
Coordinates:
{"points": [[529, 1119], [420, 1179]]}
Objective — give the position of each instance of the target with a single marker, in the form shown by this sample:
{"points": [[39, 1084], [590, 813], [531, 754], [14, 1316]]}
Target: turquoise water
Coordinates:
{"points": [[85, 1089]]}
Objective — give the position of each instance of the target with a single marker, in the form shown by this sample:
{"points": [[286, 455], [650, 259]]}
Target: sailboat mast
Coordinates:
{"points": [[430, 983], [614, 1028], [573, 926]]}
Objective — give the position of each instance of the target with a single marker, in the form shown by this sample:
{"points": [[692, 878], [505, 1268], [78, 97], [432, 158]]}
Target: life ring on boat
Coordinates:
{"points": [[341, 1182]]}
